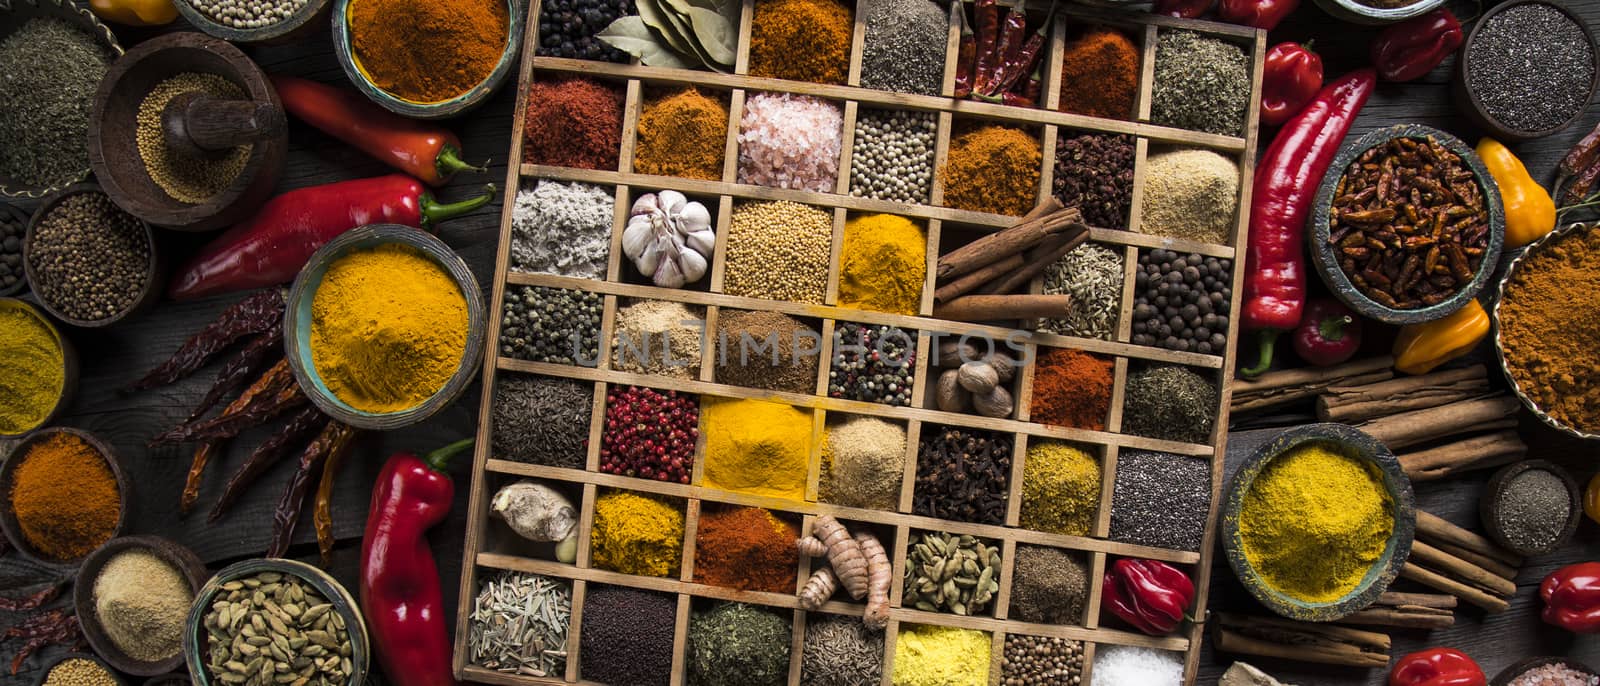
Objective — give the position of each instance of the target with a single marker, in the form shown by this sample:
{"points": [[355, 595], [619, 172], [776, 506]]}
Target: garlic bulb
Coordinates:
{"points": [[669, 238]]}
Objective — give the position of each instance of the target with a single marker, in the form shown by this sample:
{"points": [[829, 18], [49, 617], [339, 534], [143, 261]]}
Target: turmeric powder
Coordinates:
{"points": [[388, 328], [756, 446], [637, 534], [883, 264]]}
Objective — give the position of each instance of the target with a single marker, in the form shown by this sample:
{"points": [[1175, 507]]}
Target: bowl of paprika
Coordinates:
{"points": [[445, 58], [64, 495]]}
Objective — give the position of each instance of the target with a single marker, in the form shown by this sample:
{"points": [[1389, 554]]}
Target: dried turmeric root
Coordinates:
{"points": [[879, 575], [818, 589], [829, 536]]}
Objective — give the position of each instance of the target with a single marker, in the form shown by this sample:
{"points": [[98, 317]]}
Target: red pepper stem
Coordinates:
{"points": [[449, 163], [434, 212], [439, 460], [1332, 329], [1268, 337], [1307, 45]]}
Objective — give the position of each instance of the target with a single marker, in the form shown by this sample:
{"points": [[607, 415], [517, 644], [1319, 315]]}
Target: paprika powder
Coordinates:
{"points": [[1100, 74], [747, 548], [65, 497], [573, 122], [428, 50], [1071, 388]]}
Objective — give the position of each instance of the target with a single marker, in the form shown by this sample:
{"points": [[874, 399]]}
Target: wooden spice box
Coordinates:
{"points": [[486, 548]]}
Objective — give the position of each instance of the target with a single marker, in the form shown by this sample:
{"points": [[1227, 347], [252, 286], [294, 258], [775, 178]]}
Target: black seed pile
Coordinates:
{"points": [[873, 363], [1041, 661], [962, 474], [1182, 302], [542, 420], [1530, 67], [1169, 402], [551, 325], [1049, 586], [11, 233], [1094, 173], [89, 259], [627, 637], [904, 47], [567, 28], [1160, 500]]}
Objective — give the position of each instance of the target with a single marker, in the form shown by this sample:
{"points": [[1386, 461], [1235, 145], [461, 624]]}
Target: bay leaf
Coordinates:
{"points": [[632, 36], [719, 39], [655, 16]]}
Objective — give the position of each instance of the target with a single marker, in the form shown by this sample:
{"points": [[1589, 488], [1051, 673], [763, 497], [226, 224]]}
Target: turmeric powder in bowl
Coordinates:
{"points": [[388, 328]]}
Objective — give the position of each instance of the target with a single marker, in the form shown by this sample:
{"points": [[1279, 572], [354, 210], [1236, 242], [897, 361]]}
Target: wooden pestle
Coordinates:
{"points": [[199, 125]]}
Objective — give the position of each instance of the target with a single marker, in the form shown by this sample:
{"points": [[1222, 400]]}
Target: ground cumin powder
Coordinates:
{"points": [[1548, 329]]}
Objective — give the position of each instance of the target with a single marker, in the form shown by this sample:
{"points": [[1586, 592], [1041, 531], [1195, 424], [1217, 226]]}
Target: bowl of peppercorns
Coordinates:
{"points": [[13, 228], [90, 263], [1182, 301]]}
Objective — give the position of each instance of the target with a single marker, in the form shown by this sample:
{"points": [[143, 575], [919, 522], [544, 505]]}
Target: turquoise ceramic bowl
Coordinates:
{"points": [[297, 325], [344, 51]]}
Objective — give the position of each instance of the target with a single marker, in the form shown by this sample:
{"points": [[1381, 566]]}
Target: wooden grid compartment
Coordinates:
{"points": [[491, 547]]}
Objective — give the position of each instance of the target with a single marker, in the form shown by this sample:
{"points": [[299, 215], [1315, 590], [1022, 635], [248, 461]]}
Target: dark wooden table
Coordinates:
{"points": [[114, 357]]}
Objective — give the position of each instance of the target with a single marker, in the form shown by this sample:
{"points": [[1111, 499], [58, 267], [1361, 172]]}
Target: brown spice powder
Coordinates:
{"points": [[1548, 329]]}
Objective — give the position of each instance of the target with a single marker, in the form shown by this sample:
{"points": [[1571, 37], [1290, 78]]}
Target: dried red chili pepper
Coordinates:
{"points": [[322, 512], [335, 437], [1184, 9], [251, 361], [967, 53], [1024, 60], [1413, 47], [1013, 33], [987, 16], [1583, 155], [300, 428], [35, 600], [269, 383], [274, 392], [253, 315], [44, 629]]}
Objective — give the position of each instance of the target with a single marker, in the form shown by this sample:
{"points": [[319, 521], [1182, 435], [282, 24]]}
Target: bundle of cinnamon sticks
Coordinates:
{"points": [[1448, 558], [976, 281]]}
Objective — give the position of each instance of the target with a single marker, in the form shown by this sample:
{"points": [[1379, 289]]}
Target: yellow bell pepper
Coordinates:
{"points": [[1421, 347], [1530, 212], [135, 12]]}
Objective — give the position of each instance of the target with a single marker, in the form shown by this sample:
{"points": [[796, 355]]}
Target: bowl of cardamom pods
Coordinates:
{"points": [[259, 620]]}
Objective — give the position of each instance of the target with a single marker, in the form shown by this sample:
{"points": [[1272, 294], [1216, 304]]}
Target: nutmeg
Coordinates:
{"points": [[996, 403], [978, 377], [953, 354], [1004, 365], [950, 396]]}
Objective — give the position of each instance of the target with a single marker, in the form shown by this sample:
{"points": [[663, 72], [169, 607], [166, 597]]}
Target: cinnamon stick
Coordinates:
{"points": [[1300, 641], [1463, 570], [1478, 452], [1439, 601], [973, 280], [1039, 259], [1351, 404], [1435, 580], [1421, 426], [1292, 385], [983, 308], [1490, 565], [1437, 530], [1007, 242], [1403, 616]]}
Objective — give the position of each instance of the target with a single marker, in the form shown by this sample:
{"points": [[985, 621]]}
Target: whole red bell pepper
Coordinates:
{"points": [[400, 593], [1290, 78], [1572, 598], [1151, 595], [1280, 203], [1437, 667], [1185, 9], [429, 153], [1413, 47], [1329, 333], [1261, 14], [270, 248]]}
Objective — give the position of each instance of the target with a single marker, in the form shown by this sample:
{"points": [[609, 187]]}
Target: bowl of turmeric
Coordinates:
{"points": [[1318, 521], [384, 327], [427, 59], [38, 369]]}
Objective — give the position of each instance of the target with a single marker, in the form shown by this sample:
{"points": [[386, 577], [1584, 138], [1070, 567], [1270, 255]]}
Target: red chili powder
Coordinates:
{"points": [[1071, 388], [746, 548], [573, 123]]}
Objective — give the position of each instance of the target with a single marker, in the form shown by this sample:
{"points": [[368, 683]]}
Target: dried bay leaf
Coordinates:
{"points": [[632, 36], [719, 38], [656, 16]]}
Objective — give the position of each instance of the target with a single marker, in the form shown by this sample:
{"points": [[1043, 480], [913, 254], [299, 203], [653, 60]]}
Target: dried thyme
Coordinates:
{"points": [[734, 644], [1171, 403], [519, 624], [1201, 84]]}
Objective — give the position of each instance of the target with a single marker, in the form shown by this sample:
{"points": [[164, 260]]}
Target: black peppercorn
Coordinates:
{"points": [[1181, 301]]}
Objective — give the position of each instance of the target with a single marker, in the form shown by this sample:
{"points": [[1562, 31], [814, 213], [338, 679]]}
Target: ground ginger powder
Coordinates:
{"points": [[1314, 521]]}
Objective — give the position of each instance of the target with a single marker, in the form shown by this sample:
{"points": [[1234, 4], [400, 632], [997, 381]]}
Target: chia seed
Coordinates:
{"points": [[1161, 500], [1533, 507], [1531, 67], [551, 325]]}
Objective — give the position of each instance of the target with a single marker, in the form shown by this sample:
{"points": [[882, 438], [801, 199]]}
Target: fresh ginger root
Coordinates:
{"points": [[818, 589], [880, 573], [843, 553]]}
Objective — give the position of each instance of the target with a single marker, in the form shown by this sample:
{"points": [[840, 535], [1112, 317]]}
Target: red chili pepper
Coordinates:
{"points": [[1572, 598], [1413, 47], [1329, 333], [1022, 62], [1013, 33], [400, 593], [1437, 667], [986, 14], [1184, 9], [1290, 78], [967, 56], [1151, 595], [426, 152], [270, 248], [1285, 184], [1261, 14]]}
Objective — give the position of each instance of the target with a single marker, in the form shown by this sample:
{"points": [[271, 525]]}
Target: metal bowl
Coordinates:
{"points": [[1357, 13], [8, 517], [13, 15], [297, 325], [1466, 99], [344, 50], [1591, 433], [1354, 443], [195, 633], [302, 22], [69, 363], [1322, 252]]}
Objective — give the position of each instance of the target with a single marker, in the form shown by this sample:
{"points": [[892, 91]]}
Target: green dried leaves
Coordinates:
{"points": [[679, 34]]}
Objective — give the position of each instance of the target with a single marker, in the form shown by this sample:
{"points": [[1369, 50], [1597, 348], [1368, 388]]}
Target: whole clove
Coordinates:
{"points": [[962, 475]]}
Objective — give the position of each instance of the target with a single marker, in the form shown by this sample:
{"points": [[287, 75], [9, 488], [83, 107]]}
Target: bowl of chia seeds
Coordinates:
{"points": [[1531, 507], [1374, 12], [53, 54], [255, 21], [91, 264], [1528, 69]]}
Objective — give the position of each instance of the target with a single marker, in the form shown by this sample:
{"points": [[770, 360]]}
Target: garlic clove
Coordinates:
{"points": [[650, 261], [693, 218], [672, 202], [636, 236], [694, 265], [704, 241], [646, 204], [668, 275]]}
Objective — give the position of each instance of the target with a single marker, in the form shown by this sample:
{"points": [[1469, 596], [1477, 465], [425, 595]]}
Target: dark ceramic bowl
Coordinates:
{"points": [[181, 559], [16, 214], [69, 363], [1356, 444], [303, 22], [297, 325], [45, 673], [1327, 262], [8, 517], [1517, 669], [1544, 243], [154, 277], [1489, 506], [1467, 101], [13, 15], [344, 50]]}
